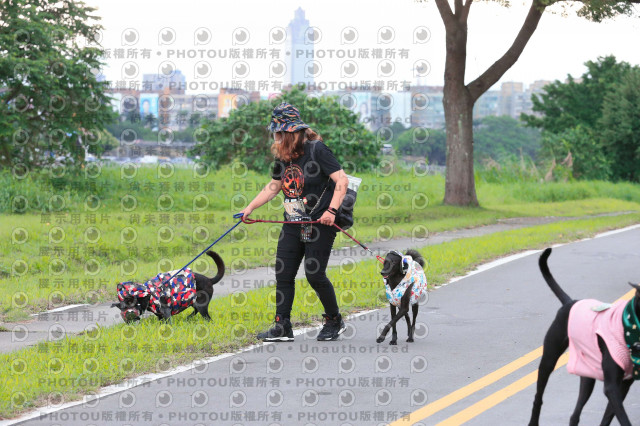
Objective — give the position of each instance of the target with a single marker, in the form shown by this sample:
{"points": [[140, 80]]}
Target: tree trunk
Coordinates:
{"points": [[460, 189], [458, 100]]}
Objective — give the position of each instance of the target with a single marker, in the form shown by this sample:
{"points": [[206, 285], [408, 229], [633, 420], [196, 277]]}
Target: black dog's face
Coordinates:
{"points": [[130, 308], [392, 269], [127, 303]]}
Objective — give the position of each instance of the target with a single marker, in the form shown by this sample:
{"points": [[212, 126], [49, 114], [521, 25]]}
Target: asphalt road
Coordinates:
{"points": [[467, 330]]}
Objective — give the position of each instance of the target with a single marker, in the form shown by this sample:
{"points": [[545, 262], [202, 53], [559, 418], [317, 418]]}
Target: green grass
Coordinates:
{"points": [[78, 364], [393, 205]]}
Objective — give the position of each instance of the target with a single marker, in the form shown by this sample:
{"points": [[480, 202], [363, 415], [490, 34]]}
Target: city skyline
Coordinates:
{"points": [[419, 107]]}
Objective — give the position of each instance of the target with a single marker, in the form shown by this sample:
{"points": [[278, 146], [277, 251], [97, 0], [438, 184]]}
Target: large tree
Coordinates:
{"points": [[243, 135], [594, 118], [418, 141], [564, 106], [502, 138], [49, 94], [620, 127], [459, 97]]}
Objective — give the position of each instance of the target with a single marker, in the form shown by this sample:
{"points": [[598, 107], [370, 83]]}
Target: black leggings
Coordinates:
{"points": [[316, 253]]}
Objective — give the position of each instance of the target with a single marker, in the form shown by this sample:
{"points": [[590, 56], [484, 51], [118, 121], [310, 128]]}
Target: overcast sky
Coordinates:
{"points": [[560, 45]]}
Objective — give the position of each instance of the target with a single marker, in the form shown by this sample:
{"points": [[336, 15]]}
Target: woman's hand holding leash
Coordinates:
{"points": [[245, 212], [327, 218]]}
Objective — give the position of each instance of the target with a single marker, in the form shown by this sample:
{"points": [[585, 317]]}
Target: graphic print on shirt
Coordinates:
{"points": [[293, 181]]}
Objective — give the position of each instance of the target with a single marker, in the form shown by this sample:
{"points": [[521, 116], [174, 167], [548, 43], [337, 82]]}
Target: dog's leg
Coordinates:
{"points": [[556, 342], [201, 304], [165, 314], [608, 413], [394, 332], [392, 323], [404, 308], [613, 376], [408, 320], [204, 311], [414, 308], [586, 388]]}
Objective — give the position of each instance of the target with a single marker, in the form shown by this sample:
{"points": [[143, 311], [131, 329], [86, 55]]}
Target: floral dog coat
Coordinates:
{"points": [[181, 290], [414, 275]]}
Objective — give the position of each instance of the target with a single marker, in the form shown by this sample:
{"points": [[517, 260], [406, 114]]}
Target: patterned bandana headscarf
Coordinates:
{"points": [[632, 336], [286, 118]]}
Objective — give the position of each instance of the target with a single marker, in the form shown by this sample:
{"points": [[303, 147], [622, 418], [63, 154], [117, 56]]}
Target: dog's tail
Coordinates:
{"points": [[219, 264], [553, 284], [416, 256]]}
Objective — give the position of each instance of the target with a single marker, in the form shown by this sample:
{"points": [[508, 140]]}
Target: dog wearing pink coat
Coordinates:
{"points": [[604, 344]]}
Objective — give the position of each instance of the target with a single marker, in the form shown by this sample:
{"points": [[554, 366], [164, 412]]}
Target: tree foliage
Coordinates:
{"points": [[620, 127], [502, 137], [459, 96], [49, 94], [497, 138], [243, 135], [595, 118], [421, 142], [587, 153], [565, 105]]}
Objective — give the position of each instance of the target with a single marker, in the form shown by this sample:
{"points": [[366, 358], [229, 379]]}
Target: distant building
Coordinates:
{"points": [[427, 109], [511, 95], [124, 101], [229, 99], [298, 43], [370, 105], [514, 100], [538, 86], [175, 81], [401, 108], [488, 104], [535, 88], [181, 111]]}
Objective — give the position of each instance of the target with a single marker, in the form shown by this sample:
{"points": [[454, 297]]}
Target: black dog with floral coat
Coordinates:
{"points": [[165, 296]]}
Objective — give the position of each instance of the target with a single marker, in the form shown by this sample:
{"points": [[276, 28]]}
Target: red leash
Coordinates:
{"points": [[250, 221]]}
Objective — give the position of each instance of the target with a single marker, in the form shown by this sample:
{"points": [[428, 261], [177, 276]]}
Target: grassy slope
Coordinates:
{"points": [[397, 205]]}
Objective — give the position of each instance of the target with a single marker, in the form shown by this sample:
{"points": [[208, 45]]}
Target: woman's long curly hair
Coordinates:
{"points": [[291, 145]]}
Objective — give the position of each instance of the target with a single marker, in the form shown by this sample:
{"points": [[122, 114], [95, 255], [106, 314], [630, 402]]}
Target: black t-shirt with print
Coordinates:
{"points": [[306, 178]]}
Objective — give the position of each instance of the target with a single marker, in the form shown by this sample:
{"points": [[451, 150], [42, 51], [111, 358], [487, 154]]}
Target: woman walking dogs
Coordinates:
{"points": [[313, 190]]}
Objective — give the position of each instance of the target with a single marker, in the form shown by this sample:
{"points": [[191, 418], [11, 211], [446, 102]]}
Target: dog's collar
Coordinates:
{"points": [[631, 326], [403, 258]]}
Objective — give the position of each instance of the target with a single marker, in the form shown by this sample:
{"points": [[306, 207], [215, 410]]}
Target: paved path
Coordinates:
{"points": [[466, 331], [49, 325]]}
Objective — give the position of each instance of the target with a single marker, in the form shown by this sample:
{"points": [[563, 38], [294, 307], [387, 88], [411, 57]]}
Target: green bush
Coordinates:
{"points": [[243, 135]]}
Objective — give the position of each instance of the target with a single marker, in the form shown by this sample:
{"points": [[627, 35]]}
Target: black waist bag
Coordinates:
{"points": [[344, 217]]}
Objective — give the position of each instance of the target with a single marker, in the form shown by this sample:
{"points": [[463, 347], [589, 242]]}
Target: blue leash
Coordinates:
{"points": [[235, 216]]}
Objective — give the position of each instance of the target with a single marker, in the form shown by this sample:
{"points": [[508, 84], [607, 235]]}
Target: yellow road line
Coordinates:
{"points": [[508, 391], [453, 397], [497, 397], [493, 399]]}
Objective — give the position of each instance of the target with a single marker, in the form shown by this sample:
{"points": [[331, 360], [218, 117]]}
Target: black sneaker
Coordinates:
{"points": [[333, 327], [280, 332]]}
